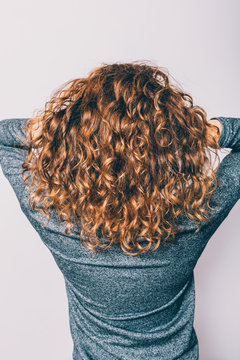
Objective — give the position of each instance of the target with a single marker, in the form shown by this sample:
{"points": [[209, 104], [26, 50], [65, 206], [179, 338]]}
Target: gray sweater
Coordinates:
{"points": [[124, 307]]}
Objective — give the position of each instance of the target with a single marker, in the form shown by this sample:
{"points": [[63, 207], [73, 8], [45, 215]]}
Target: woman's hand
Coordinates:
{"points": [[213, 135], [37, 129]]}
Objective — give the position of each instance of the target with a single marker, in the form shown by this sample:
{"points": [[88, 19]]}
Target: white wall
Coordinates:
{"points": [[46, 43]]}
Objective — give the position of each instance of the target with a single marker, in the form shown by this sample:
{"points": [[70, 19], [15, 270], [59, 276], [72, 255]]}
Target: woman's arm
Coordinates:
{"points": [[12, 133], [13, 152], [230, 133]]}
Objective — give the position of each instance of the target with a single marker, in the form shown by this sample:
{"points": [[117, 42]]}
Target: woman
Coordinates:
{"points": [[122, 157]]}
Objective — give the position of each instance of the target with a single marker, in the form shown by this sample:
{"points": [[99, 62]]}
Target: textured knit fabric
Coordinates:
{"points": [[124, 307]]}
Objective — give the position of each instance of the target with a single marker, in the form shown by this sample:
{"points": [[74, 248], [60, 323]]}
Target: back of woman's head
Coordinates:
{"points": [[121, 153]]}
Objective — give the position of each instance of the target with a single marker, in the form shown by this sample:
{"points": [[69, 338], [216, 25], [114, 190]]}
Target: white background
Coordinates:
{"points": [[46, 43]]}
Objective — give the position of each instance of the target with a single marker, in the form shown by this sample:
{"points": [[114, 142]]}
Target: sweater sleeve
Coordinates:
{"points": [[228, 172], [13, 152]]}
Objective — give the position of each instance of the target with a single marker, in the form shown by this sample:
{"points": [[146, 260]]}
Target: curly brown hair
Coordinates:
{"points": [[124, 152]]}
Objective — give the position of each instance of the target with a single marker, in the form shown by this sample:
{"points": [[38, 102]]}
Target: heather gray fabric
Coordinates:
{"points": [[123, 307]]}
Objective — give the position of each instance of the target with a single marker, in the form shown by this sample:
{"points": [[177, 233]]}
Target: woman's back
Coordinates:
{"points": [[130, 307], [121, 306]]}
